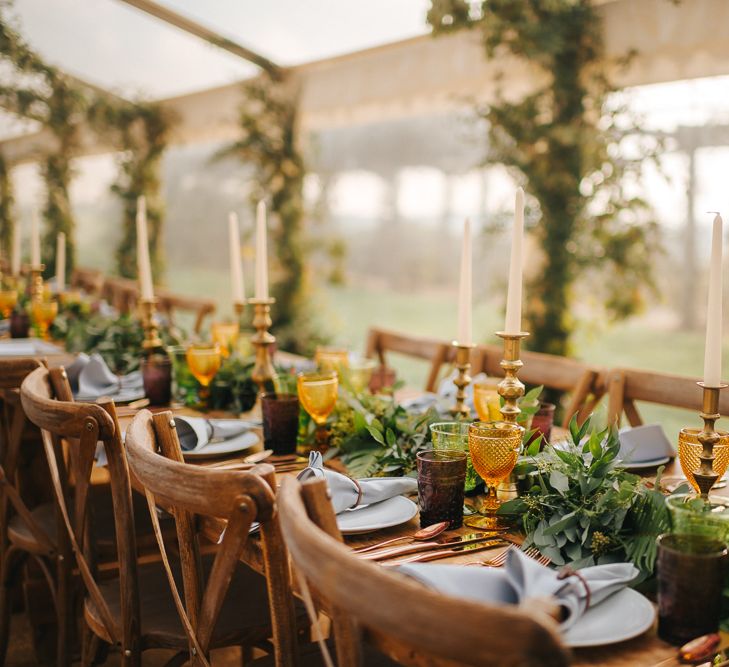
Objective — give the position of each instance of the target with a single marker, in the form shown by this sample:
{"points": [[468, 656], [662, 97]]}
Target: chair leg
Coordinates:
{"points": [[246, 654], [89, 646], [11, 561], [64, 612]]}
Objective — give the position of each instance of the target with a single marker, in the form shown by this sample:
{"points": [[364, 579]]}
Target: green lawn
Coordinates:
{"points": [[640, 343]]}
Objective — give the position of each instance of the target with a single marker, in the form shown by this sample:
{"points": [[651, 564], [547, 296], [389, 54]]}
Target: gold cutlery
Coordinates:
{"points": [[470, 538], [422, 535], [494, 543]]}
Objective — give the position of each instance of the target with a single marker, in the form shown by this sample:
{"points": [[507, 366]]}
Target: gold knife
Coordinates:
{"points": [[469, 538], [449, 553]]}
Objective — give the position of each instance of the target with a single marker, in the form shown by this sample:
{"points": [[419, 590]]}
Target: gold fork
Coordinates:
{"points": [[500, 560]]}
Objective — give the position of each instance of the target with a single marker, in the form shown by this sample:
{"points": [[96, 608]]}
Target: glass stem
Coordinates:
{"points": [[322, 438]]}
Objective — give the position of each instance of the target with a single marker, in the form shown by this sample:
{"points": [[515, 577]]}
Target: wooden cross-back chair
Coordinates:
{"points": [[168, 304], [433, 350], [90, 281], [416, 626], [27, 532], [121, 293], [585, 384], [225, 604], [625, 386]]}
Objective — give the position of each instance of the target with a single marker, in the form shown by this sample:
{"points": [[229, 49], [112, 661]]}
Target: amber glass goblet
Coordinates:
{"points": [[487, 401], [331, 358], [318, 395], [494, 448], [8, 299], [203, 360], [44, 312], [225, 334], [689, 451]]}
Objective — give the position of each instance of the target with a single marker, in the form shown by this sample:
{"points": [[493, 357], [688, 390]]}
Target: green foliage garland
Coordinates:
{"points": [[564, 139], [46, 95], [140, 131], [269, 143], [7, 217]]}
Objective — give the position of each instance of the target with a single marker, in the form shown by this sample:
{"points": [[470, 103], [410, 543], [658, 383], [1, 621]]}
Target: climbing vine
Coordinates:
{"points": [[269, 143], [42, 93], [140, 132], [7, 216], [566, 141]]}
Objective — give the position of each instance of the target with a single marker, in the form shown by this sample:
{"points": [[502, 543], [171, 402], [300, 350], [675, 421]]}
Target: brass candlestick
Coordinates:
{"points": [[706, 476], [36, 282], [263, 372], [463, 365], [239, 308], [148, 310], [510, 388]]}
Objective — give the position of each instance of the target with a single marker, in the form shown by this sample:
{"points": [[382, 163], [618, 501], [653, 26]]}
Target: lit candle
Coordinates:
{"points": [[236, 272], [61, 262], [144, 268], [35, 254], [261, 253], [712, 352], [464, 290], [513, 298], [15, 262]]}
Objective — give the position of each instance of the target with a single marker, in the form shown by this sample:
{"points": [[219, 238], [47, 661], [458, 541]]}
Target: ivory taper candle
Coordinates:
{"points": [[15, 261], [513, 297], [35, 253], [464, 289], [712, 352], [61, 262], [261, 252], [144, 268]]}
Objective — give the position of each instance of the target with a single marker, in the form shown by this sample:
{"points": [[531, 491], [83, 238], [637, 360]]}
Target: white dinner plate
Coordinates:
{"points": [[122, 396], [385, 514], [622, 616], [27, 347], [230, 446], [651, 463]]}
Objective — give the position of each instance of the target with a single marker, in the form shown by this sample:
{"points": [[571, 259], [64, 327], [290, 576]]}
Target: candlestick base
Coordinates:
{"points": [[239, 308], [511, 389], [706, 476], [148, 315], [36, 282], [462, 380], [263, 371]]}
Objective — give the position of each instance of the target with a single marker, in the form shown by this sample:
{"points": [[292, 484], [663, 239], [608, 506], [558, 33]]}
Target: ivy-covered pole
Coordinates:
{"points": [[563, 141], [7, 213]]}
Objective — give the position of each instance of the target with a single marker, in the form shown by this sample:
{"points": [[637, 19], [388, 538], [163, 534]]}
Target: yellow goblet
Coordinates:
{"points": [[331, 358], [487, 401], [359, 373], [44, 312], [494, 448], [689, 451], [225, 334], [8, 299], [318, 394], [203, 360]]}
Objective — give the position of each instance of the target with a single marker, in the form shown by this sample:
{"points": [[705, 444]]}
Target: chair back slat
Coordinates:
{"points": [[81, 426], [432, 628], [240, 497]]}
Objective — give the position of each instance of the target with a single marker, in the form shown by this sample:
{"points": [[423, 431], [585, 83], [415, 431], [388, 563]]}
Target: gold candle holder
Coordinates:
{"points": [[36, 282], [511, 388], [263, 371], [148, 311], [706, 476], [463, 365], [239, 308]]}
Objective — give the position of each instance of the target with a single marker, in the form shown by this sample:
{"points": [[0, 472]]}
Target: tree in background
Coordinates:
{"points": [[140, 132], [577, 152], [269, 143], [42, 93]]}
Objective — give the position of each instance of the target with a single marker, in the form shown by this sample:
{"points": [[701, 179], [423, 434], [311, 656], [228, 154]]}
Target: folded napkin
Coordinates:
{"points": [[196, 432], [348, 493], [644, 443], [523, 578], [96, 379]]}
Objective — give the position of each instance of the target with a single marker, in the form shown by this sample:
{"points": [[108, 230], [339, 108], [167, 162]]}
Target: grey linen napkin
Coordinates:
{"points": [[346, 492], [523, 578], [96, 379], [644, 443]]}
